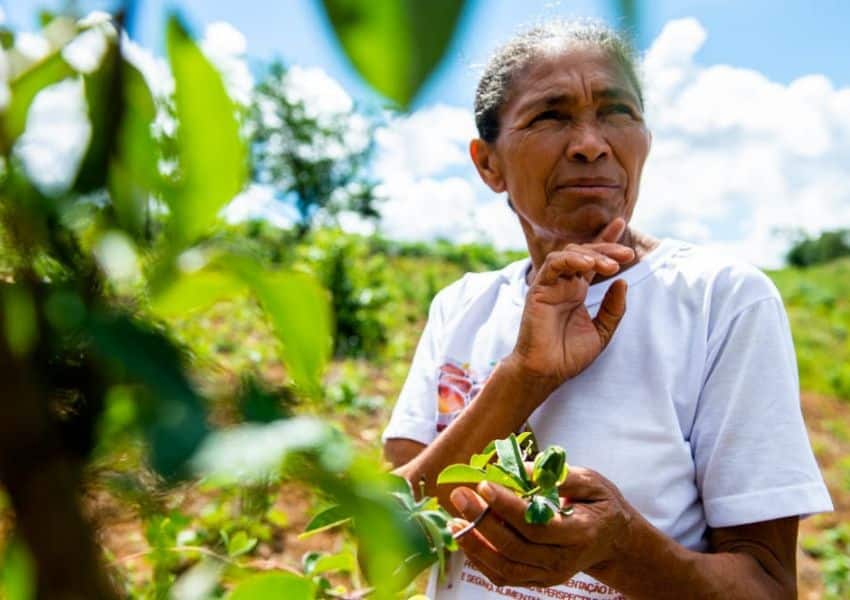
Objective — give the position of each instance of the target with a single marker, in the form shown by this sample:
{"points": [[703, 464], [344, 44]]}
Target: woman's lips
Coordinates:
{"points": [[589, 186], [589, 191]]}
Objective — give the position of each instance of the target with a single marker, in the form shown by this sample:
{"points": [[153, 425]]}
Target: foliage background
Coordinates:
{"points": [[179, 324]]}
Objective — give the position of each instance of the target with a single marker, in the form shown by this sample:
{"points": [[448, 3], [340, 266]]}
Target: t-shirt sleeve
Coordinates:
{"points": [[752, 454], [414, 416]]}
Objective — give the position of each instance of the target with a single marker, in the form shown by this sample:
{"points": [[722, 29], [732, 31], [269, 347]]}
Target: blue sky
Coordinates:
{"points": [[748, 102], [783, 40]]}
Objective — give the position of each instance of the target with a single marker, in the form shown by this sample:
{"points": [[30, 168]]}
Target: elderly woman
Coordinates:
{"points": [[680, 412]]}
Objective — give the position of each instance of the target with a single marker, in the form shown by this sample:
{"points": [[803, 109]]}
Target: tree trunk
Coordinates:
{"points": [[42, 481]]}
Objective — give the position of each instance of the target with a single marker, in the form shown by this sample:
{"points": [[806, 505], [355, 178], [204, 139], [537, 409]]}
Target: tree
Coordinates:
{"points": [[806, 251], [315, 156]]}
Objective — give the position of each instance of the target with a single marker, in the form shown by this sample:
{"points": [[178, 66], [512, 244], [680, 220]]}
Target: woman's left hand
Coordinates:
{"points": [[510, 551]]}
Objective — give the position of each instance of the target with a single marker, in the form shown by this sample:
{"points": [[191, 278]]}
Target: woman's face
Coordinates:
{"points": [[571, 146]]}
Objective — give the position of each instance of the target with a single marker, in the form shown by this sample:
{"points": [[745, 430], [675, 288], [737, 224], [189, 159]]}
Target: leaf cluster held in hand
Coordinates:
{"points": [[549, 471]]}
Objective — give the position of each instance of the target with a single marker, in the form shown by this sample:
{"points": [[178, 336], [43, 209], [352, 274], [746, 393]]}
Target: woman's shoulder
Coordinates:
{"points": [[725, 284], [720, 271]]}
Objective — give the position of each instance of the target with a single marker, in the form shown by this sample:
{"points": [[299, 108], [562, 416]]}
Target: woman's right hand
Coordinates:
{"points": [[557, 337]]}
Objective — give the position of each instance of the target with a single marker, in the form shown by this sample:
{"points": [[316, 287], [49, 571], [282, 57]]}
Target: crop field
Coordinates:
{"points": [[153, 535]]}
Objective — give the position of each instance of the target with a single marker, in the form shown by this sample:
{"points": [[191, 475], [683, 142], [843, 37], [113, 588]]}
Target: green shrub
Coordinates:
{"points": [[832, 548], [827, 246]]}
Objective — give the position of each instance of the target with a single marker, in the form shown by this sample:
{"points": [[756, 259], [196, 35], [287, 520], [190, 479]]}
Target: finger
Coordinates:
{"points": [[583, 485], [613, 231], [563, 263], [577, 260], [611, 311], [511, 508], [498, 568], [618, 252], [505, 540]]}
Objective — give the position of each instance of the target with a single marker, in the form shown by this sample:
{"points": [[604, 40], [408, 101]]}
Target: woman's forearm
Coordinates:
{"points": [[504, 404], [654, 566]]}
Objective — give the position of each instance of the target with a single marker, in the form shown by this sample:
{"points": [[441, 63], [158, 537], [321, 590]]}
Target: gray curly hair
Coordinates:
{"points": [[511, 58]]}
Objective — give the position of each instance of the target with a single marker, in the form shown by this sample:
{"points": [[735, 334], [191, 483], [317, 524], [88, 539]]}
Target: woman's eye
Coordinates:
{"points": [[545, 116], [619, 109]]}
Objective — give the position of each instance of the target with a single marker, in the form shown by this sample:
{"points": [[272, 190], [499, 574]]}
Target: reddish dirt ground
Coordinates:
{"points": [[120, 532]]}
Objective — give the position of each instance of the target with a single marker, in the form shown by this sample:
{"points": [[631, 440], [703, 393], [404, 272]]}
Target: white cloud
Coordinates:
{"points": [[736, 156], [56, 136], [32, 46], [324, 99], [154, 69], [431, 188], [426, 142], [85, 52], [428, 208], [225, 46], [258, 202]]}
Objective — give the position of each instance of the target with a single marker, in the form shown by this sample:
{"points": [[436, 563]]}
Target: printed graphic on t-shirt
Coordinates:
{"points": [[471, 584], [457, 386]]}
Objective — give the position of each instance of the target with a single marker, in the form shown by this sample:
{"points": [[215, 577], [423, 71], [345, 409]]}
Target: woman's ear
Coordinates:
{"points": [[487, 164]]}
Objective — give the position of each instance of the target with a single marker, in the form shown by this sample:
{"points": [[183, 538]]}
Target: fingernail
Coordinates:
{"points": [[486, 490], [460, 499]]}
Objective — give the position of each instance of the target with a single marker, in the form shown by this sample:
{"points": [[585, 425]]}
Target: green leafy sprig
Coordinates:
{"points": [[430, 522], [548, 472]]}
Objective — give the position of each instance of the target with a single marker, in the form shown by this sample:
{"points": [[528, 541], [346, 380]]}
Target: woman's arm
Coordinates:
{"points": [[749, 562], [557, 340], [610, 540]]}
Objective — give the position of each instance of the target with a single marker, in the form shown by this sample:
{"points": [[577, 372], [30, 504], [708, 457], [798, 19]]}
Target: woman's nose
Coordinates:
{"points": [[587, 144]]}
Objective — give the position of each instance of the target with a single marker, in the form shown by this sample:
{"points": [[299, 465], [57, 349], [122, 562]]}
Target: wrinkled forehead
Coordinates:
{"points": [[568, 68]]}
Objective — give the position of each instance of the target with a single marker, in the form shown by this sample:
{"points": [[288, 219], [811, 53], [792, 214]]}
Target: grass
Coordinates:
{"points": [[818, 303]]}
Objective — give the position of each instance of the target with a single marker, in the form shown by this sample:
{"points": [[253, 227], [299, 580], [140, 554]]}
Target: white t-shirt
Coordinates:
{"points": [[692, 410]]}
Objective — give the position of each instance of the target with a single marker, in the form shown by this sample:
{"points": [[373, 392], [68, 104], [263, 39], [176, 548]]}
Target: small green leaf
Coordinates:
{"points": [[17, 573], [497, 474], [550, 467], [274, 586], [480, 460], [25, 87], [299, 311], [196, 291], [329, 518], [172, 414], [20, 322], [398, 484], [540, 511], [103, 91], [133, 173], [522, 437], [461, 474], [277, 517], [212, 154], [510, 458], [240, 544], [327, 563]]}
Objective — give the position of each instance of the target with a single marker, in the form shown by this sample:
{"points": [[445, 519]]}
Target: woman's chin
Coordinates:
{"points": [[582, 225]]}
